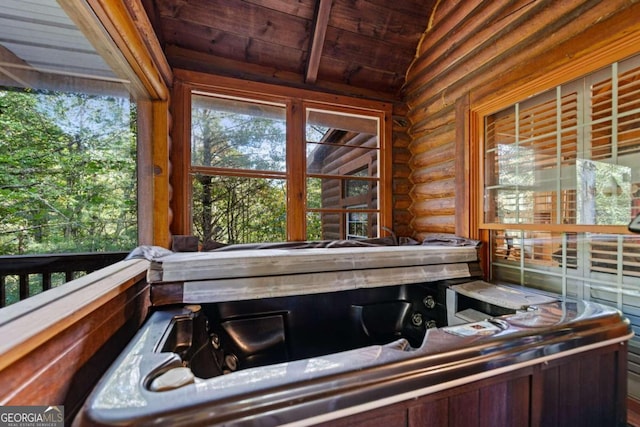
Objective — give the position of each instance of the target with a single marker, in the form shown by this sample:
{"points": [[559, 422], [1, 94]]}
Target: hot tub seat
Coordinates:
{"points": [[228, 336]]}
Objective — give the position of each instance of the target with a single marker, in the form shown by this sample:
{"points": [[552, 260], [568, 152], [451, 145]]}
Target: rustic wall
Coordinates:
{"points": [[401, 172], [344, 159], [475, 50]]}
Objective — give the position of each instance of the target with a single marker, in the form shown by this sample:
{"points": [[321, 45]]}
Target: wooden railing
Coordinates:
{"points": [[22, 276]]}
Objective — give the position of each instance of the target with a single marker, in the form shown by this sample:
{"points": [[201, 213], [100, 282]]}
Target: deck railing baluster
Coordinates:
{"points": [[24, 285], [46, 281], [20, 267], [3, 291]]}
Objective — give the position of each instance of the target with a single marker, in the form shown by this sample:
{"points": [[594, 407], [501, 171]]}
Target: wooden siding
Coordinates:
{"points": [[337, 161], [584, 389], [474, 51]]}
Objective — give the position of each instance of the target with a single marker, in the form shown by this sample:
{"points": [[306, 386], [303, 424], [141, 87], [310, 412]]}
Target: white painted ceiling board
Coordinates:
{"points": [[42, 35]]}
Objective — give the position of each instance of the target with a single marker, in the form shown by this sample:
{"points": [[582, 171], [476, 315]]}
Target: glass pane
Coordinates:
{"points": [[605, 257], [67, 138], [67, 172], [341, 144], [517, 256], [510, 180], [543, 166], [544, 249], [239, 210], [333, 127], [337, 193], [542, 280], [314, 227], [500, 129], [342, 174], [341, 225], [604, 193], [227, 133], [533, 248], [357, 187], [358, 225], [341, 160]]}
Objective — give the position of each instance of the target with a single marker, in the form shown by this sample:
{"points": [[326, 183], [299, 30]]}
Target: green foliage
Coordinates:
{"points": [[238, 209], [67, 173], [314, 200]]}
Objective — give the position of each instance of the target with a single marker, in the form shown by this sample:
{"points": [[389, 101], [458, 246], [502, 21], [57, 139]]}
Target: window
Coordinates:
{"points": [[561, 181], [252, 156], [567, 156], [357, 224], [68, 143], [69, 121], [67, 138], [342, 175], [238, 167], [560, 160]]}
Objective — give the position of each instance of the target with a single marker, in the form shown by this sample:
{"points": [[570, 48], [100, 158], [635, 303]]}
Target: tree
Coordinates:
{"points": [[238, 209], [67, 173]]}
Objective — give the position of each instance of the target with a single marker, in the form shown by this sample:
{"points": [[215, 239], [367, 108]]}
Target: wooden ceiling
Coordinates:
{"points": [[354, 47]]}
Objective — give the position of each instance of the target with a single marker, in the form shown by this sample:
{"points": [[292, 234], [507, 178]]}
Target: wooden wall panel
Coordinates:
{"points": [[476, 51], [464, 410], [66, 367], [434, 412], [392, 415], [583, 389], [577, 393]]}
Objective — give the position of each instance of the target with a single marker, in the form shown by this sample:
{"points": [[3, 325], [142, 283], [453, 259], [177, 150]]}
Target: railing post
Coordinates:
{"points": [[3, 291], [24, 286], [46, 281]]}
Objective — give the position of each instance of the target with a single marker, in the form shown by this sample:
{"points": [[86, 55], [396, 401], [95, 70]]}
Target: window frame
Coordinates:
{"points": [[295, 101], [485, 105], [480, 108], [483, 224]]}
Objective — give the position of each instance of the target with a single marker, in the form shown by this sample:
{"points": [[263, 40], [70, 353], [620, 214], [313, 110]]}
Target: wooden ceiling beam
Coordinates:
{"points": [[317, 40], [214, 65]]}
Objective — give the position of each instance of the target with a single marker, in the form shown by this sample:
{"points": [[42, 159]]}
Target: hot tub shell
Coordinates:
{"points": [[310, 386]]}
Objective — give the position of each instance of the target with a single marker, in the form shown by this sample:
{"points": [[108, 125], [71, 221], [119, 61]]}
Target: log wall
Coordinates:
{"points": [[474, 51], [400, 181]]}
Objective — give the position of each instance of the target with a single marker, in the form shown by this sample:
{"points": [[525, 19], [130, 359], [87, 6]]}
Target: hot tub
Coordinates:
{"points": [[229, 336], [318, 356]]}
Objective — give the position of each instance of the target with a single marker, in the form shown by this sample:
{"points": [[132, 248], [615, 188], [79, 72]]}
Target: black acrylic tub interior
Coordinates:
{"points": [[229, 336]]}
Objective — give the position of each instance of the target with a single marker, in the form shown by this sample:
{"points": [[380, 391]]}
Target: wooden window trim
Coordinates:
{"points": [[129, 48], [296, 101], [120, 33]]}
